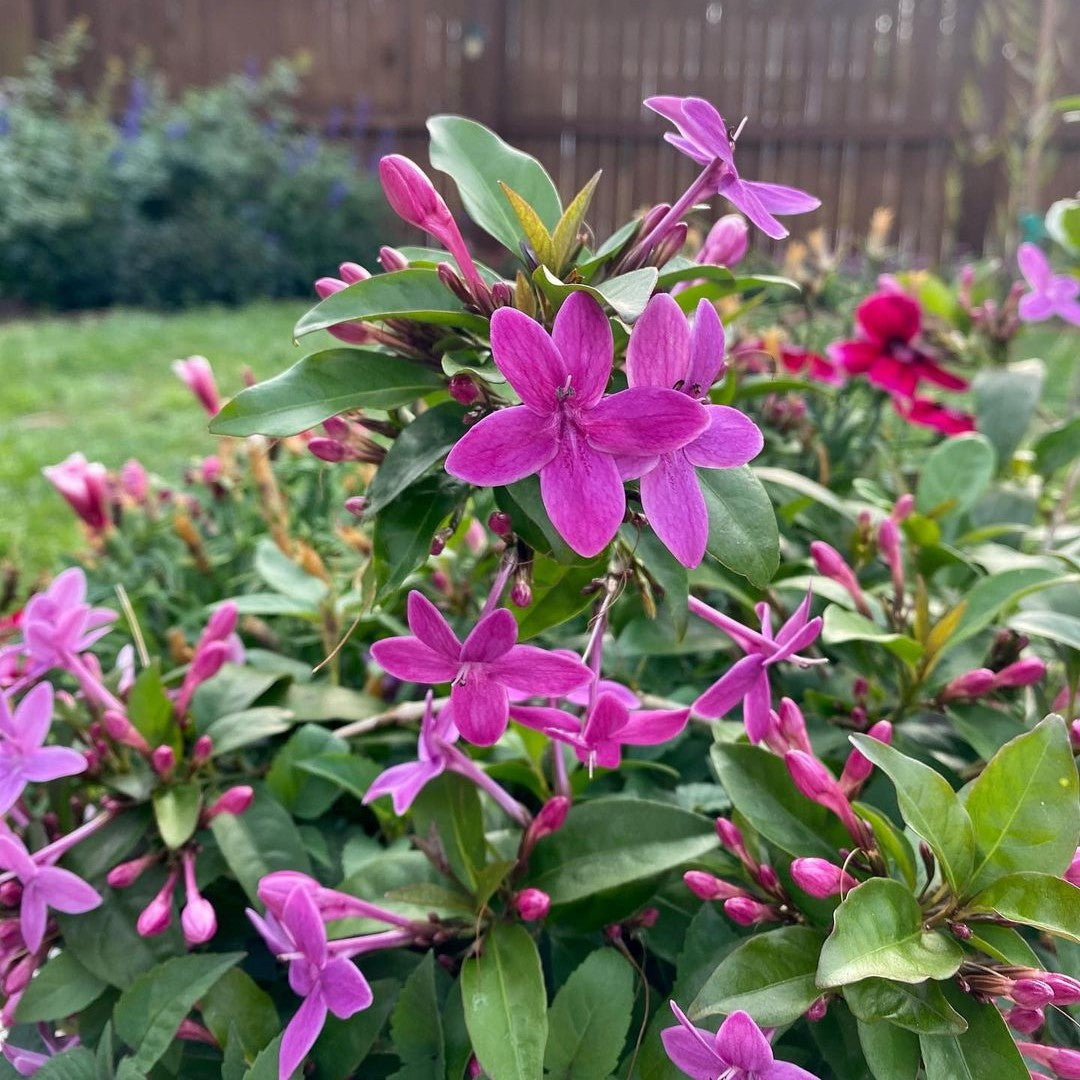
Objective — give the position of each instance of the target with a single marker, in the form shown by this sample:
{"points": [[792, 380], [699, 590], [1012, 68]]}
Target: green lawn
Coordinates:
{"points": [[102, 384]]}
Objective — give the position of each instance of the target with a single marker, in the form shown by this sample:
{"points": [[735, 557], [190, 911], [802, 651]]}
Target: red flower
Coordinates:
{"points": [[887, 324], [817, 367], [928, 414]]}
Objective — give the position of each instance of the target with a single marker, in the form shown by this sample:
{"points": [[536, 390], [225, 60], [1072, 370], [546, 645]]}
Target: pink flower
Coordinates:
{"points": [[532, 904], [664, 352], [797, 360], [24, 757], [1023, 672], [482, 670], [1051, 294], [355, 332], [738, 1051], [703, 136], [43, 887], [197, 375], [726, 243], [887, 324], [85, 486], [154, 919], [134, 480], [1060, 1061], [566, 429], [926, 413], [821, 878], [198, 919]]}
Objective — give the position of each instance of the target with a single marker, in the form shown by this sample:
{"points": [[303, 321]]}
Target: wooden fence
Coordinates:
{"points": [[860, 101]]}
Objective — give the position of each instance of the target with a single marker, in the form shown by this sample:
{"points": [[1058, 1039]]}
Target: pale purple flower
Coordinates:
{"points": [[738, 1051], [275, 889], [747, 679], [664, 352], [198, 376], [24, 757], [43, 887], [1051, 294], [482, 671], [85, 486], [566, 429], [703, 136]]}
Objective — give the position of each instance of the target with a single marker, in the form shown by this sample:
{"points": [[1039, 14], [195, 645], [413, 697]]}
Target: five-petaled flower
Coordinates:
{"points": [[738, 1051], [481, 671], [566, 429], [24, 757], [704, 137], [664, 352], [1051, 294]]}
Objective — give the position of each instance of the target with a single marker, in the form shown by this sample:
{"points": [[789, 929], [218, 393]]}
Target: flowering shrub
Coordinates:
{"points": [[645, 779]]}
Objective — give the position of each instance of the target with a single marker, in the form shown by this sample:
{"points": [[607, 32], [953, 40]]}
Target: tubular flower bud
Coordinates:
{"points": [[1031, 993], [462, 389], [354, 332], [749, 912], [197, 375], [125, 874], [198, 919], [390, 259], [818, 1010], [157, 915], [163, 759], [120, 729], [903, 507], [521, 594], [532, 904], [793, 726], [832, 564], [889, 545], [709, 887], [202, 750], [337, 427], [1025, 1021], [971, 684], [356, 505], [1024, 672], [857, 768], [1061, 1062], [816, 782], [234, 801], [727, 241], [821, 878], [767, 878]]}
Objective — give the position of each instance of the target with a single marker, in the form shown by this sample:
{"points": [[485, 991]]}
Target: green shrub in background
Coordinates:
{"points": [[125, 196]]}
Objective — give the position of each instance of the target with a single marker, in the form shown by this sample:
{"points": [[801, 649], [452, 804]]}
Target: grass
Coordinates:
{"points": [[101, 384]]}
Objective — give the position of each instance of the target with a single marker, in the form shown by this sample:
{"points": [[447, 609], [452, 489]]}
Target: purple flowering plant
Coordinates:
{"points": [[610, 744]]}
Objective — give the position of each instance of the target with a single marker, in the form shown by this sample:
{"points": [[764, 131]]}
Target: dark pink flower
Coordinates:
{"points": [[926, 413], [819, 368], [1051, 294], [566, 429], [197, 375], [85, 486], [821, 878]]}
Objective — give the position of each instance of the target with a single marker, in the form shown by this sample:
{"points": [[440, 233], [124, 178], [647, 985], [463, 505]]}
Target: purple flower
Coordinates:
{"points": [[747, 679], [703, 136], [566, 429], [738, 1051], [43, 887], [481, 671], [664, 352], [609, 726], [1051, 294], [326, 983], [24, 757]]}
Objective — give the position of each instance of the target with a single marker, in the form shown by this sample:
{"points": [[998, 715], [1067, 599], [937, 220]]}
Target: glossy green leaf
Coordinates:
{"points": [[565, 237], [804, 487], [742, 526], [626, 294], [235, 1007], [891, 1052], [557, 593], [841, 626], [477, 159], [176, 810], [1058, 447], [918, 1007], [996, 593], [60, 989], [151, 711], [350, 772], [956, 473], [416, 1025], [1044, 901], [450, 805], [1024, 806], [74, 1064], [345, 1044], [771, 977], [878, 932], [237, 730], [303, 794], [506, 1005], [1054, 625]]}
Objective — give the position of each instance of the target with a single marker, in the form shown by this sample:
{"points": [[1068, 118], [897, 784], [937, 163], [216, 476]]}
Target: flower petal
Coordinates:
{"points": [[1035, 307], [798, 640], [855, 357], [644, 420], [540, 673], [302, 920], [528, 358], [731, 439], [658, 353], [742, 1044], [742, 196], [53, 762], [1034, 265], [582, 335], [889, 317], [493, 636], [703, 125], [647, 727], [730, 688], [427, 623], [409, 659], [344, 988], [543, 718], [300, 1035], [12, 785], [691, 1049], [33, 715], [33, 915], [403, 783], [504, 447], [756, 706], [780, 199], [934, 373], [707, 343], [14, 857], [605, 720], [64, 891], [481, 707], [672, 500]]}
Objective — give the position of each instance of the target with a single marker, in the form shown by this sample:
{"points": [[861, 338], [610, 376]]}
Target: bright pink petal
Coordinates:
{"points": [[403, 783], [705, 126], [658, 353], [672, 500], [504, 447], [538, 672], [582, 335], [605, 720], [33, 915], [528, 358], [1035, 266], [756, 705], [481, 707], [742, 1044], [548, 720], [779, 199], [647, 727], [888, 317], [300, 1035], [784, 1070], [583, 494], [692, 1049], [68, 589], [409, 659], [731, 439], [631, 468], [427, 623], [53, 762], [33, 715], [668, 106], [707, 343], [304, 923], [65, 891], [344, 988], [1069, 310], [493, 636], [796, 620], [939, 376], [799, 640], [730, 688], [688, 147], [1035, 307], [893, 375], [742, 196], [855, 357], [644, 420]]}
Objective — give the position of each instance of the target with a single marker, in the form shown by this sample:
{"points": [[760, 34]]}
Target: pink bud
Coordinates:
{"points": [[889, 544], [197, 375], [120, 729], [191, 1031], [816, 782], [163, 759], [474, 1071], [134, 480], [329, 450], [971, 684], [832, 564], [462, 389], [502, 294], [499, 523], [818, 1010], [1066, 989], [1031, 993], [390, 259], [197, 920], [234, 801], [125, 874], [709, 887], [550, 818], [222, 622], [532, 904], [648, 917], [157, 915], [860, 687], [208, 661], [521, 594], [727, 241], [84, 485], [767, 878], [1061, 1062], [747, 912], [356, 505], [793, 726], [821, 878], [202, 749], [19, 974], [903, 507], [730, 834], [337, 428], [1025, 1021], [857, 768], [1024, 672]]}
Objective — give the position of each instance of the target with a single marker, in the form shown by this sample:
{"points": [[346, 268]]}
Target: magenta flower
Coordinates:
{"points": [[481, 671], [817, 367], [704, 137], [1051, 294], [738, 1051], [85, 486], [566, 429], [664, 352], [24, 757], [926, 413], [198, 376], [609, 726], [43, 887], [328, 984], [887, 324], [747, 679]]}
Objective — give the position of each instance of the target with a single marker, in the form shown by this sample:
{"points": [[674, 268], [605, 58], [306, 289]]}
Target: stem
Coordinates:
{"points": [[468, 768], [403, 713], [92, 687], [706, 179], [506, 567], [355, 946]]}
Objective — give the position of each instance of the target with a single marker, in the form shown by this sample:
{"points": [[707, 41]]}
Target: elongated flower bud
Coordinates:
{"points": [[197, 375], [532, 904], [971, 684], [198, 919], [1024, 672], [1066, 989], [163, 759], [1025, 1021], [817, 783], [857, 768], [157, 915], [331, 450], [903, 507], [234, 801], [821, 878], [1031, 993], [818, 1010], [125, 874], [222, 622], [120, 729], [709, 887], [793, 726], [202, 750], [832, 564], [134, 480], [889, 545], [1061, 1062], [551, 817], [748, 912], [727, 241], [390, 259], [356, 505]]}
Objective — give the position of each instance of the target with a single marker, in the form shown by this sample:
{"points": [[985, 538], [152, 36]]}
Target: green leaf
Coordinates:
{"points": [[345, 1044], [265, 1066], [742, 526], [416, 1025], [1054, 625], [763, 792], [1024, 806], [1044, 901], [613, 842], [626, 294], [557, 593], [75, 1064], [285, 576], [1005, 402], [450, 805], [919, 1007], [301, 793], [477, 159], [842, 625], [930, 807], [60, 989], [530, 519], [672, 577], [259, 841], [891, 1052], [771, 977], [878, 931], [995, 593], [149, 1012], [323, 385], [176, 810], [151, 711], [350, 772], [423, 443], [589, 1018], [956, 473], [237, 730], [985, 1050], [805, 487], [506, 1005], [536, 233], [235, 1007], [1058, 447], [565, 236]]}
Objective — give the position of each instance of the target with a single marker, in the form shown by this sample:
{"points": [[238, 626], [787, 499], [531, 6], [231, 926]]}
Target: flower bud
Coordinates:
{"points": [[727, 241], [1061, 1062], [816, 782], [198, 921], [120, 729], [1066, 989], [234, 801], [859, 687], [821, 878], [337, 427], [502, 294], [648, 917], [125, 874], [857, 768], [163, 759], [1025, 1021], [331, 450], [818, 1010], [532, 904], [413, 197], [521, 594], [157, 915], [748, 912], [832, 564], [767, 878], [202, 749], [207, 662], [197, 375], [500, 523], [390, 259], [222, 622], [709, 887], [462, 389], [971, 684], [665, 249], [1024, 672], [793, 726], [134, 480], [903, 507], [1031, 993], [356, 505]]}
